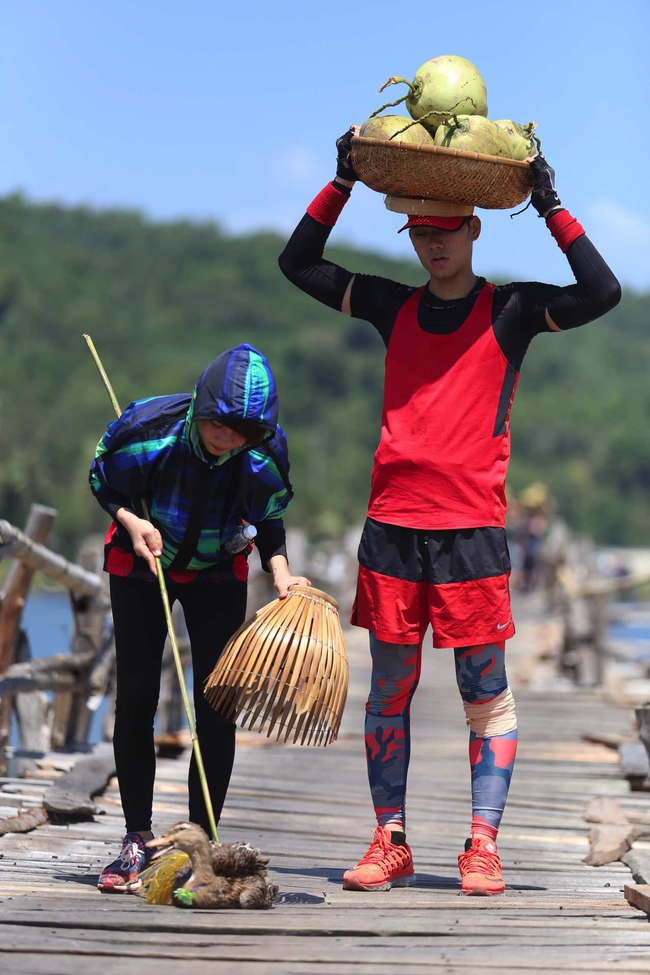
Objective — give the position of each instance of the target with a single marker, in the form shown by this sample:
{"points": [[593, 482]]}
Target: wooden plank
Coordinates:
{"points": [[603, 738], [557, 913], [71, 795], [634, 759], [638, 895], [639, 863]]}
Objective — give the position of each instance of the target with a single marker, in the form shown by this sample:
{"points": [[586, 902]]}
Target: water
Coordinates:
{"points": [[635, 634], [47, 619], [629, 631], [48, 622]]}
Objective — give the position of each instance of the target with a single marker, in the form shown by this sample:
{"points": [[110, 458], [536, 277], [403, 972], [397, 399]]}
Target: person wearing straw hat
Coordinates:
{"points": [[433, 548], [205, 465]]}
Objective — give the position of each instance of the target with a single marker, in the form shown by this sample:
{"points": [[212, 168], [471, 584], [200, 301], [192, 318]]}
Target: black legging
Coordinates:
{"points": [[213, 611]]}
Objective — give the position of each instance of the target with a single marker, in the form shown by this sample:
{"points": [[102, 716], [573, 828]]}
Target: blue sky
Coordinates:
{"points": [[229, 112]]}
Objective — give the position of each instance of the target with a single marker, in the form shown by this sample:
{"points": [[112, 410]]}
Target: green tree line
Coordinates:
{"points": [[162, 299]]}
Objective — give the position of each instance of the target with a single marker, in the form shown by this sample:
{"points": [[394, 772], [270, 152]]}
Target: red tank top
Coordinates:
{"points": [[445, 434]]}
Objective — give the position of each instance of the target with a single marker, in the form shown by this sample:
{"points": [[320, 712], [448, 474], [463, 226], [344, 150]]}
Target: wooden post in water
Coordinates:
{"points": [[72, 716], [33, 711], [642, 715], [170, 714], [584, 607]]}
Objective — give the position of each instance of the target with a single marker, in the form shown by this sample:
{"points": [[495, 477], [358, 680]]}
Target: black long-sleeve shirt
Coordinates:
{"points": [[518, 309]]}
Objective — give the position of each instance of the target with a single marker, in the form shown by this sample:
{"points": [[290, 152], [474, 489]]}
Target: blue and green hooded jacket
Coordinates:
{"points": [[153, 451]]}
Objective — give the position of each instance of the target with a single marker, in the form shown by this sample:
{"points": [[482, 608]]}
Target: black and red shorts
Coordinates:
{"points": [[455, 579]]}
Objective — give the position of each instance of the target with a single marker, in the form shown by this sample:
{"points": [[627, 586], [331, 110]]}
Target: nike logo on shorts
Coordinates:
{"points": [[502, 626]]}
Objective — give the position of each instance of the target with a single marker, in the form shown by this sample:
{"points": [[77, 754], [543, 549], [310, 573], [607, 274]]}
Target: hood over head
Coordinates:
{"points": [[237, 385]]}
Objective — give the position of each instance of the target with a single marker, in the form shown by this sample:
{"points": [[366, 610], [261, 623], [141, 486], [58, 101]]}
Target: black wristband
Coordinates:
{"points": [[341, 188]]}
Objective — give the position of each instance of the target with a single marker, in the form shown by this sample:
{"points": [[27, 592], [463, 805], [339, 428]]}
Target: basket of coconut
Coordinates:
{"points": [[447, 149]]}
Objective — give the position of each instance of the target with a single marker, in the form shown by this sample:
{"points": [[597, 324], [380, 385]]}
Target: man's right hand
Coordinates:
{"points": [[344, 170], [147, 541]]}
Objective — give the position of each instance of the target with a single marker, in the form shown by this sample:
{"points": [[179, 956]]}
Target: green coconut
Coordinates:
{"points": [[473, 133], [400, 128], [442, 86], [522, 144]]}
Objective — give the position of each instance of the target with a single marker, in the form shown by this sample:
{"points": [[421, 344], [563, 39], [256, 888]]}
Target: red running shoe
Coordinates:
{"points": [[480, 868], [385, 865]]}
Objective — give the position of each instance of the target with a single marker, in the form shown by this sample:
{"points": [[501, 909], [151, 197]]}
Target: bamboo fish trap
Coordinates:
{"points": [[286, 670]]}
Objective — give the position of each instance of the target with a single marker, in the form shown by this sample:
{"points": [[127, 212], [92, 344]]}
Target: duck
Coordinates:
{"points": [[192, 871]]}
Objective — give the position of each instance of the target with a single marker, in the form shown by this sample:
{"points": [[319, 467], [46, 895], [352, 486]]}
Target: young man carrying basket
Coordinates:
{"points": [[434, 548]]}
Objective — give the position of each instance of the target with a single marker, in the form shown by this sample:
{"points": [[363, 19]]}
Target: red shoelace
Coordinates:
{"points": [[480, 861], [380, 850]]}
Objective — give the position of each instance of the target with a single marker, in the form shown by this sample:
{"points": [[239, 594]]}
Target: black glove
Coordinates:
{"points": [[344, 168], [543, 197]]}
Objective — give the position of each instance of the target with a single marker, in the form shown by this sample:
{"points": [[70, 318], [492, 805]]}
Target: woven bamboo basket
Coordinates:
{"points": [[434, 173], [286, 670]]}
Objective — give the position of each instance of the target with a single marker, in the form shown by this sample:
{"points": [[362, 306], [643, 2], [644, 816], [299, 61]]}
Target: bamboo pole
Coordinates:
{"points": [[170, 626]]}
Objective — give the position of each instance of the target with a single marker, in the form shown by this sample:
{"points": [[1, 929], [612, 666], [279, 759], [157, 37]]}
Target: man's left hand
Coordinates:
{"points": [[544, 197]]}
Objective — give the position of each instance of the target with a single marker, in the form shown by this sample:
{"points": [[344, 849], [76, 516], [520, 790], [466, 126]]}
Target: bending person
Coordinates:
{"points": [[205, 464]]}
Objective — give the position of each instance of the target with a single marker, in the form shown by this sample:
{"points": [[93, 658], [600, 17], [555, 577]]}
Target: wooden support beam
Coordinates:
{"points": [[59, 671], [584, 608], [643, 718], [598, 587], [35, 556], [171, 714], [33, 711], [16, 587], [12, 602], [72, 715]]}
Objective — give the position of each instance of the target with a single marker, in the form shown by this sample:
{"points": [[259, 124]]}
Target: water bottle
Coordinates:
{"points": [[239, 541]]}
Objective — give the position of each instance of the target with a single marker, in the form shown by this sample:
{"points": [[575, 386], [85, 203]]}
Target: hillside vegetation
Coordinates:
{"points": [[162, 299]]}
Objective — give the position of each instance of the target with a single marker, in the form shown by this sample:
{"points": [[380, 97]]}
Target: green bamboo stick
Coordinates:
{"points": [[168, 616]]}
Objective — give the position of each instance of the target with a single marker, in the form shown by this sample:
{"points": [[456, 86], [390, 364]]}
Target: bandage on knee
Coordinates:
{"points": [[495, 717]]}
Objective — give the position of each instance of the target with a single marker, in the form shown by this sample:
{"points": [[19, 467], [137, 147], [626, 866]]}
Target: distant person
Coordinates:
{"points": [[205, 464], [514, 521], [433, 548], [536, 504]]}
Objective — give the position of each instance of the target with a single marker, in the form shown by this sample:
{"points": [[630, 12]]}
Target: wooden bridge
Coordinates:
{"points": [[309, 811]]}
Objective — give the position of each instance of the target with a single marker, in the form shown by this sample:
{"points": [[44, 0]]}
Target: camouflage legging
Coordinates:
{"points": [[481, 676]]}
